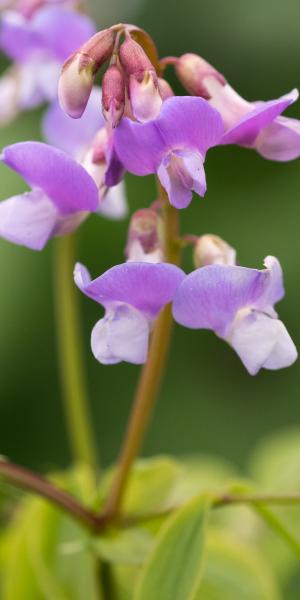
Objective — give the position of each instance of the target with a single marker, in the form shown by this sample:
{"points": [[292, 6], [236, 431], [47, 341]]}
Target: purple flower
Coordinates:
{"points": [[87, 140], [259, 125], [132, 294], [251, 124], [62, 195], [38, 46], [237, 304], [173, 146]]}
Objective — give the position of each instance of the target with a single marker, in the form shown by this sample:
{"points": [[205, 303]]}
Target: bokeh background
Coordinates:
{"points": [[208, 402]]}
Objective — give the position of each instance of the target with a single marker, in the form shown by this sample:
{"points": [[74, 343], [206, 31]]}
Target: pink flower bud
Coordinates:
{"points": [[143, 89], [212, 250], [78, 72], [165, 89], [113, 95], [144, 242], [193, 72]]}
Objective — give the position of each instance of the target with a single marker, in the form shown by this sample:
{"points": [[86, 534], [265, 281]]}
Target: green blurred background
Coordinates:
{"points": [[208, 401]]}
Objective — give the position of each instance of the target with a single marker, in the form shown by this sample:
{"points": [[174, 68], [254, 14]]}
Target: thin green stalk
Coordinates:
{"points": [[70, 357], [149, 382]]}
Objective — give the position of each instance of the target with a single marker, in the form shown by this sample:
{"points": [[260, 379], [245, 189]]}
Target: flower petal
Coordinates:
{"points": [[62, 30], [64, 181], [73, 135], [181, 173], [17, 38], [190, 123], [247, 129], [139, 146], [262, 342], [123, 334], [184, 123], [280, 140], [28, 219], [209, 297], [147, 287]]}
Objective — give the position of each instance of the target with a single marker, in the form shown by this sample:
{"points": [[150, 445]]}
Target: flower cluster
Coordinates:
{"points": [[145, 129], [33, 36]]}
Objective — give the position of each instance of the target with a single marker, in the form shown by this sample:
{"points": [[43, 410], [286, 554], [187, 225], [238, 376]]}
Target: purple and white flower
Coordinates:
{"points": [[256, 125], [173, 146], [237, 303], [88, 140], [38, 45], [132, 294], [62, 195]]}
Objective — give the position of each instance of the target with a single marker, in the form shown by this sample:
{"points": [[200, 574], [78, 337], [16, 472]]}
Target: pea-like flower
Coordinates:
{"points": [[237, 304], [87, 140], [256, 125], [132, 294], [173, 146], [62, 195], [37, 44]]}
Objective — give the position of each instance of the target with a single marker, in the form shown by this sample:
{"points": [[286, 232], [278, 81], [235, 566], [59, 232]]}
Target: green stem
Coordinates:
{"points": [[32, 482], [149, 382], [69, 353]]}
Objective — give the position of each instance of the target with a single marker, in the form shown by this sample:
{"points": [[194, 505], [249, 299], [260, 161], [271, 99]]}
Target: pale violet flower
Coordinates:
{"points": [[237, 303], [132, 294], [62, 195], [87, 140], [173, 146]]}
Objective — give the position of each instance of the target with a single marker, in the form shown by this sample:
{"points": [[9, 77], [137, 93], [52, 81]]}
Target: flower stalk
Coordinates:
{"points": [[70, 357], [150, 378]]}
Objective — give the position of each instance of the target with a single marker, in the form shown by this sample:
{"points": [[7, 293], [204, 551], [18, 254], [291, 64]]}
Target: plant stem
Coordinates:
{"points": [[149, 382], [69, 352], [32, 482]]}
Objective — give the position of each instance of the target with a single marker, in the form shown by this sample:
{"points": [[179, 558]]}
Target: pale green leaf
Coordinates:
{"points": [[173, 570], [235, 571], [129, 546], [149, 487]]}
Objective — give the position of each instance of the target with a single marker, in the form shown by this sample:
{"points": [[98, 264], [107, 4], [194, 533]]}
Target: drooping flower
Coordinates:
{"points": [[173, 146], [87, 140], [62, 194], [251, 124], [145, 237], [237, 303], [132, 294], [38, 45]]}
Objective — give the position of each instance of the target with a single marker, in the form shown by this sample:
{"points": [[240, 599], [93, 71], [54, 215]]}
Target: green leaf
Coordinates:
{"points": [[127, 547], [235, 571], [49, 551], [149, 487], [173, 570], [274, 465]]}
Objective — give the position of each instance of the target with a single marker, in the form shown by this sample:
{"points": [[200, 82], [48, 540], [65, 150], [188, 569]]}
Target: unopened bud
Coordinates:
{"points": [[144, 241], [113, 95], [143, 89], [165, 89], [78, 72], [193, 71], [212, 250]]}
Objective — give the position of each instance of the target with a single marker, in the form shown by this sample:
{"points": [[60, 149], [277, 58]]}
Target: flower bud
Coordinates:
{"points": [[193, 71], [165, 89], [143, 89], [212, 250], [113, 95], [144, 242], [78, 72]]}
